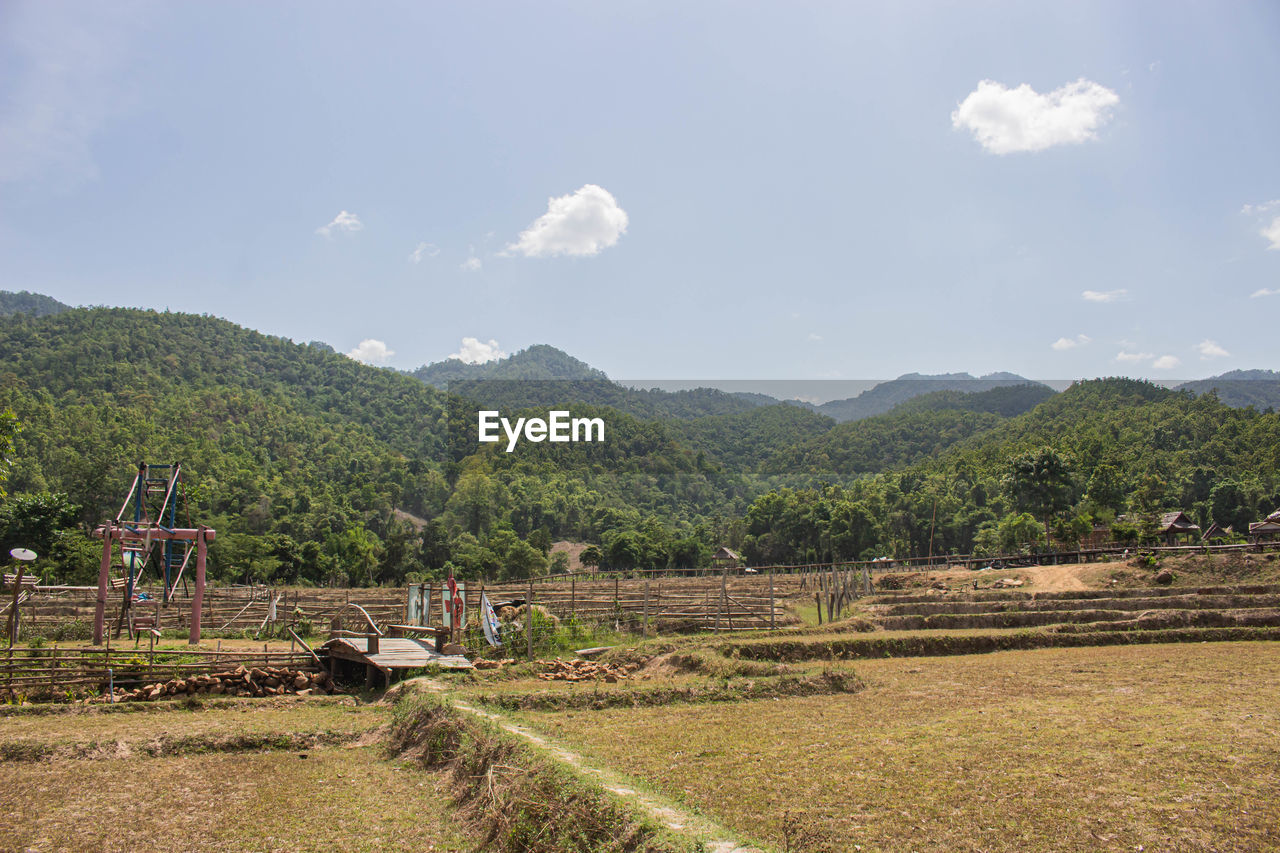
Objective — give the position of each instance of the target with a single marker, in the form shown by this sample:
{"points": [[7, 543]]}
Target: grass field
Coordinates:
{"points": [[333, 799], [1167, 747], [178, 778]]}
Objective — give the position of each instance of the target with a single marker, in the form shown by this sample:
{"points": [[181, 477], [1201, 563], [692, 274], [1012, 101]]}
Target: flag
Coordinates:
{"points": [[455, 601], [492, 627]]}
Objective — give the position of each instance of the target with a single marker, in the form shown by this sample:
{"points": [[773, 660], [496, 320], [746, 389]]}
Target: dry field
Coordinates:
{"points": [[1170, 747], [229, 778]]}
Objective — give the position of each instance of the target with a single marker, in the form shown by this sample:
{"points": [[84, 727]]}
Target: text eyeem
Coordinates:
{"points": [[558, 426]]}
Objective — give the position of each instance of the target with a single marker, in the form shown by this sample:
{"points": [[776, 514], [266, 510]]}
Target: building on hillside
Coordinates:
{"points": [[725, 559], [1216, 532], [1175, 524], [1266, 530]]}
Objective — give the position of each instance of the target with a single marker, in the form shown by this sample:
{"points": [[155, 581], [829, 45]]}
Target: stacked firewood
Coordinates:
{"points": [[241, 681], [584, 670]]}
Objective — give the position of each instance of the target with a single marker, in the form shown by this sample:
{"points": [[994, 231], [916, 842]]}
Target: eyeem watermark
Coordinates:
{"points": [[558, 426]]}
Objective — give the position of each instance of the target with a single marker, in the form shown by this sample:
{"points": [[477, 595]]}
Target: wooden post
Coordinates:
{"points": [[197, 602], [13, 613], [720, 600], [528, 618], [817, 599], [573, 595], [104, 582], [772, 620], [644, 624]]}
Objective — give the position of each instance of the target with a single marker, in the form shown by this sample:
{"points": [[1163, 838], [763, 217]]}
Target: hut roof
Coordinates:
{"points": [[1216, 531], [1177, 522], [1275, 516], [726, 554]]}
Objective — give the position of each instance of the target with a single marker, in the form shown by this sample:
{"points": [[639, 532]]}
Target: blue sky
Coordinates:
{"points": [[665, 190]]}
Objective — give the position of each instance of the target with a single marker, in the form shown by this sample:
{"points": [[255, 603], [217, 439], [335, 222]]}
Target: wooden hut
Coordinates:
{"points": [[1216, 532], [1175, 524], [1263, 531], [725, 559]]}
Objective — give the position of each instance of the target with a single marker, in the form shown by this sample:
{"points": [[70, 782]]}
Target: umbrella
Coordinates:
{"points": [[24, 554]]}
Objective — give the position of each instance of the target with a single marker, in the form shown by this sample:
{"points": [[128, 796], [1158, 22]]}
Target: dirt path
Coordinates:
{"points": [[669, 816]]}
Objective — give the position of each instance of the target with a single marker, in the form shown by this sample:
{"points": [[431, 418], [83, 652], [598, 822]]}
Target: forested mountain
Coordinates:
{"points": [[539, 361], [25, 302], [1257, 388], [1096, 450], [545, 377], [316, 468], [884, 396], [305, 459]]}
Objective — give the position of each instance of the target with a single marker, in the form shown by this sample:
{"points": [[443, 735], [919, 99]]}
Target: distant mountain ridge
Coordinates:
{"points": [[26, 302], [1240, 388], [885, 396], [540, 361]]}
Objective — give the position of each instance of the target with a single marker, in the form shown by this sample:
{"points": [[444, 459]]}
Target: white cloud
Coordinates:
{"points": [[471, 264], [1007, 120], [344, 221], [1105, 295], [1130, 357], [581, 223], [1270, 230], [475, 351], [1063, 344], [814, 336], [423, 250], [371, 351], [1166, 362], [1265, 291], [1272, 233], [1251, 209], [1209, 349]]}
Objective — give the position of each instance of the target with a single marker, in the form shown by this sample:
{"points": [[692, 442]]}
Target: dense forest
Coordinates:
{"points": [[317, 469]]}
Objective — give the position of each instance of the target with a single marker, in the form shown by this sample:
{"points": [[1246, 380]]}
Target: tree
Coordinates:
{"points": [[590, 556], [1041, 483]]}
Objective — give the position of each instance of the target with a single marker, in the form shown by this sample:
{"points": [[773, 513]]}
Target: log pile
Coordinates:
{"points": [[241, 681], [584, 670]]}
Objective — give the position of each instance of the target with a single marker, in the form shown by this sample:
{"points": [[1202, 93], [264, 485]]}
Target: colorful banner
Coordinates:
{"points": [[492, 627]]}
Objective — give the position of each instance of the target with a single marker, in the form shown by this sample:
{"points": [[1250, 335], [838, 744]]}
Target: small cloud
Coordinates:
{"points": [[1272, 233], [814, 336], [475, 351], [1105, 295], [1166, 362], [579, 224], [344, 221], [1005, 120], [1063, 344], [1264, 291], [471, 264], [423, 251], [1126, 357], [371, 351], [1269, 230], [1154, 67], [1208, 349], [1253, 209]]}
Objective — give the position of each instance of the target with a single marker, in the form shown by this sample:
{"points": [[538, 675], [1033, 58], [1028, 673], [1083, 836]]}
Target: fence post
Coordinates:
{"points": [[644, 624], [573, 596], [529, 618], [772, 620]]}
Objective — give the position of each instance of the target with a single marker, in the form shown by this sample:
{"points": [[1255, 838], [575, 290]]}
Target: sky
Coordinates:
{"points": [[718, 190]]}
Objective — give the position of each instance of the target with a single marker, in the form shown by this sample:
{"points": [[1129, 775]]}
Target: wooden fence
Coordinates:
{"points": [[53, 671]]}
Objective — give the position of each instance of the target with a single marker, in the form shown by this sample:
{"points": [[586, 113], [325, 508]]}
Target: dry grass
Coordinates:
{"points": [[93, 727], [334, 799], [1168, 747]]}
